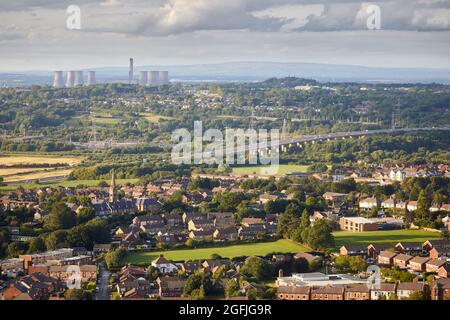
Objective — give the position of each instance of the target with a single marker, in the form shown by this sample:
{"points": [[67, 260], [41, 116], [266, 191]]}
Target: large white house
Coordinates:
{"points": [[164, 265]]}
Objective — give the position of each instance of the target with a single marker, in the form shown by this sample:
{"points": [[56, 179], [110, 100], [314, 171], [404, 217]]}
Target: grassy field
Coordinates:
{"points": [[283, 169], [393, 236], [153, 118], [67, 184], [34, 160], [260, 249], [49, 173]]}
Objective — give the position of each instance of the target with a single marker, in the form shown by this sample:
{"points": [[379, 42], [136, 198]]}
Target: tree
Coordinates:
{"points": [[114, 258], [15, 249], [60, 217], [258, 268], [320, 236], [232, 289], [56, 240], [37, 245], [85, 214]]}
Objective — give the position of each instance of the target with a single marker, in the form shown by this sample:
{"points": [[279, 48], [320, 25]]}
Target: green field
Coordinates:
{"points": [[259, 249], [393, 236], [154, 118], [67, 184], [283, 169]]}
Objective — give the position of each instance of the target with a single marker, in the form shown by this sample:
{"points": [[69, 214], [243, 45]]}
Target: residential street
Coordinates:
{"points": [[103, 284]]}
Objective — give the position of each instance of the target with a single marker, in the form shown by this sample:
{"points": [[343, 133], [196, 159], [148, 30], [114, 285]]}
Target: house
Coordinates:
{"points": [[357, 292], [353, 250], [418, 263], [247, 222], [411, 206], [101, 248], [11, 267], [63, 273], [386, 289], [433, 265], [170, 286], [264, 198], [386, 258], [440, 289], [163, 265], [188, 216], [149, 220], [221, 219], [402, 260], [369, 203], [393, 203], [190, 267], [226, 234], [430, 244], [129, 282], [202, 235], [444, 271], [410, 248], [147, 204], [357, 224], [252, 232], [327, 293], [214, 264], [440, 251], [307, 256], [200, 224], [405, 289], [374, 249], [334, 196], [173, 220]]}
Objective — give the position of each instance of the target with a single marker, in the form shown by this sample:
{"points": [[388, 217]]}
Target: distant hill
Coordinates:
{"points": [[258, 71]]}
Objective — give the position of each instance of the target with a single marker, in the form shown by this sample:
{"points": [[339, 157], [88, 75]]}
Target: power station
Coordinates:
{"points": [[91, 78], [70, 79], [58, 81], [76, 78]]}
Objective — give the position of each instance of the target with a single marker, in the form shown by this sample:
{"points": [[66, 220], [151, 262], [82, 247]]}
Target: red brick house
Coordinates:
{"points": [[386, 258], [444, 271], [327, 293], [293, 293], [433, 265], [402, 260], [418, 263], [440, 289], [357, 292]]}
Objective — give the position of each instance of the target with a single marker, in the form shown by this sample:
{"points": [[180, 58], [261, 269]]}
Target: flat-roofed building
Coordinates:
{"points": [[357, 224]]}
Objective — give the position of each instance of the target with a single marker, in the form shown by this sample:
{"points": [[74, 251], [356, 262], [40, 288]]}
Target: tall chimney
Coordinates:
{"points": [[131, 72], [91, 78], [58, 81], [78, 78], [70, 80]]}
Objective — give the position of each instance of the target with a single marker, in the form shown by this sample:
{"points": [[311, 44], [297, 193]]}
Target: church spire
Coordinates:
{"points": [[112, 188]]}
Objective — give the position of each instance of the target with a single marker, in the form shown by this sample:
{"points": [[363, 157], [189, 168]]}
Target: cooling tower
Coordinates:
{"points": [[163, 77], [91, 78], [143, 78], [58, 81], [70, 80], [78, 78], [153, 78]]}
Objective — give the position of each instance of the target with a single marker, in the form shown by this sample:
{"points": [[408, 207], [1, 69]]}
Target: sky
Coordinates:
{"points": [[412, 33]]}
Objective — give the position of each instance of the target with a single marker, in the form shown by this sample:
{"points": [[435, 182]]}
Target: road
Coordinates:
{"points": [[103, 283]]}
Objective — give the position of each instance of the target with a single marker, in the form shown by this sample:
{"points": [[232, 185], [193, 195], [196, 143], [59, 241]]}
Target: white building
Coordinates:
{"points": [[164, 265]]}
